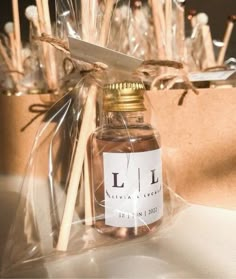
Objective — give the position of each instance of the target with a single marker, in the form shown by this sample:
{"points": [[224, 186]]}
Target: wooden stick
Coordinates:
{"points": [[93, 6], [9, 29], [40, 15], [192, 18], [209, 60], [44, 46], [42, 29], [106, 22], [89, 28], [159, 27], [180, 32], [8, 63], [48, 50], [161, 16], [85, 131], [138, 20], [13, 49], [89, 10], [168, 18], [227, 36], [89, 209], [103, 39], [201, 19], [47, 19], [77, 170], [6, 58], [51, 58], [89, 205], [85, 20], [17, 34], [32, 15]]}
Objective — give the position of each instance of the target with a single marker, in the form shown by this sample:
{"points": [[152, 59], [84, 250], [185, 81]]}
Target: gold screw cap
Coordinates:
{"points": [[124, 96]]}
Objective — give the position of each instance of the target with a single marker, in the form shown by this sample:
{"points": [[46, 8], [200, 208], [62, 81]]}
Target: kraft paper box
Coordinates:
{"points": [[198, 141], [20, 118]]}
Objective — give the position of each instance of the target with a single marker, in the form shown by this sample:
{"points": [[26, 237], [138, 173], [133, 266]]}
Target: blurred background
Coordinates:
{"points": [[217, 10]]}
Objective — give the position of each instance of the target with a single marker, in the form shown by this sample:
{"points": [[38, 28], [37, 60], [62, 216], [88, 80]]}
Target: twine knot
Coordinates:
{"points": [[166, 72]]}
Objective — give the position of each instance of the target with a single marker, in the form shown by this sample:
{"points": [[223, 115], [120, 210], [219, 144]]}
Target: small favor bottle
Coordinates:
{"points": [[126, 165]]}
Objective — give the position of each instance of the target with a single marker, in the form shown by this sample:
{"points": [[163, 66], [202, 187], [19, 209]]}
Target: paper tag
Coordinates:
{"points": [[211, 76], [133, 188], [92, 53]]}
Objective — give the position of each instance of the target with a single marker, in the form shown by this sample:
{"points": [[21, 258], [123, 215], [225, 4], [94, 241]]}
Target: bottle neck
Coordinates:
{"points": [[123, 119]]}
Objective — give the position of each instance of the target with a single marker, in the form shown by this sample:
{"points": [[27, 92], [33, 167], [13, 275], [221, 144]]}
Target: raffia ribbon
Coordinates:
{"points": [[149, 70]]}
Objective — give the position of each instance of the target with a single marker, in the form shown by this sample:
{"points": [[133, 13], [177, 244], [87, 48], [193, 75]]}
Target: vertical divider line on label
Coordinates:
{"points": [[139, 186]]}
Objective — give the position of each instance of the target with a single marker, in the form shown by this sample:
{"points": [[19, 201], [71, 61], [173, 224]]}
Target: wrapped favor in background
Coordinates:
{"points": [[197, 141], [30, 85]]}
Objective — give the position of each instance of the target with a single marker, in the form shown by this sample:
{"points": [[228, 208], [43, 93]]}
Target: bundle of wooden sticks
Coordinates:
{"points": [[26, 67], [133, 25]]}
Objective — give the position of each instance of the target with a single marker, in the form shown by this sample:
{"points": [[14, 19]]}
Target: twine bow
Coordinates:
{"points": [[38, 109]]}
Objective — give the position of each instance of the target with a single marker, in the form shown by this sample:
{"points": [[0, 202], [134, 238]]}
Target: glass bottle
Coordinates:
{"points": [[126, 165]]}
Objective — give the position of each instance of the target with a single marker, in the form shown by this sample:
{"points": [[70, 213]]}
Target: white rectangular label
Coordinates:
{"points": [[210, 76], [133, 188]]}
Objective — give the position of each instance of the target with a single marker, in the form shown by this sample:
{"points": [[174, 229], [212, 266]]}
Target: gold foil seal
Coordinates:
{"points": [[124, 96]]}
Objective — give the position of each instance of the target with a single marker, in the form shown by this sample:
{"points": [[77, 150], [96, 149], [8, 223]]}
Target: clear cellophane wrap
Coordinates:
{"points": [[52, 220], [53, 165]]}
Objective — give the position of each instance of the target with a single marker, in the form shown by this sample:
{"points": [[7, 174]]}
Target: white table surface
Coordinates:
{"points": [[200, 244]]}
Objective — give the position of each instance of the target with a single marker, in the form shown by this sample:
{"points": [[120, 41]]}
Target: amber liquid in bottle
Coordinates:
{"points": [[124, 133]]}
